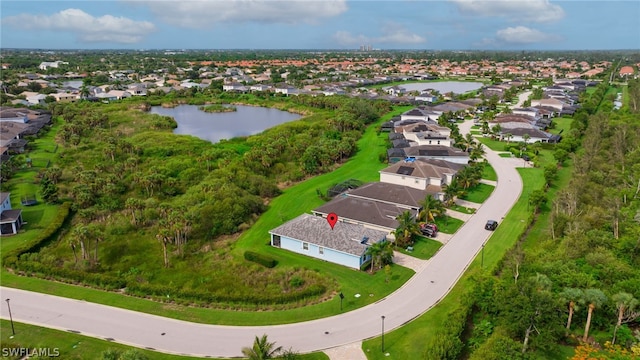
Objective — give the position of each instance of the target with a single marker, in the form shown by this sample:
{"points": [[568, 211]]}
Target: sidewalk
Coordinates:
{"points": [[351, 351]]}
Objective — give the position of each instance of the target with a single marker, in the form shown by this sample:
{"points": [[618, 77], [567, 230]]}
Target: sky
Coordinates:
{"points": [[327, 24]]}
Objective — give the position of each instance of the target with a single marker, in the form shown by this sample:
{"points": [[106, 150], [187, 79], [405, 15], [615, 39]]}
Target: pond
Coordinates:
{"points": [[457, 87], [247, 120]]}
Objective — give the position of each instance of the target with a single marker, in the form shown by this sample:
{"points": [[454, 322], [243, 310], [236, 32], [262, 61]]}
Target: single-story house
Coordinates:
{"points": [[369, 213], [10, 219], [437, 152], [517, 135], [346, 244], [398, 195]]}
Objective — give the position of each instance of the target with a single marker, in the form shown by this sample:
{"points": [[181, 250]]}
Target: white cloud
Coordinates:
{"points": [[206, 13], [392, 33], [86, 27], [517, 10], [523, 35]]}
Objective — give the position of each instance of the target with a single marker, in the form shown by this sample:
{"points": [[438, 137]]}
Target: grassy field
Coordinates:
{"points": [[75, 346], [479, 193], [407, 342]]}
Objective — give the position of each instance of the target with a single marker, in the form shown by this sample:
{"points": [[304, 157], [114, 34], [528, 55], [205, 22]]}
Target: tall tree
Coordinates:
{"points": [[572, 297], [626, 306], [594, 298], [262, 349]]}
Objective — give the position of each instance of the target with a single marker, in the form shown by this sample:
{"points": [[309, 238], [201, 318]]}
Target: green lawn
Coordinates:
{"points": [[407, 342], [479, 193], [494, 145], [294, 201], [423, 248], [75, 346], [562, 124], [488, 173], [447, 224]]}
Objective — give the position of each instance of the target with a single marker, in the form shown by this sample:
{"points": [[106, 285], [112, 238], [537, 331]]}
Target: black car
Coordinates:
{"points": [[491, 225]]}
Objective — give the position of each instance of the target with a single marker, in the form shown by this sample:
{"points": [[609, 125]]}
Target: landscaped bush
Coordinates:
{"points": [[261, 259]]}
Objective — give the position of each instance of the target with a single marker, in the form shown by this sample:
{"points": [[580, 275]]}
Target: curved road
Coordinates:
{"points": [[419, 294]]}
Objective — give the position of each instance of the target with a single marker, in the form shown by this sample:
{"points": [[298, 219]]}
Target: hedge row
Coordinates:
{"points": [[72, 276], [264, 260], [10, 258], [258, 298]]}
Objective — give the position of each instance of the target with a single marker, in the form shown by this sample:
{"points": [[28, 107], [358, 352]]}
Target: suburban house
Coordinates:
{"points": [[436, 152], [427, 97], [394, 90], [419, 114], [429, 138], [418, 174], [518, 135], [51, 64], [13, 115], [553, 103], [398, 195], [286, 90], [10, 219], [346, 244], [234, 86], [366, 212], [65, 97]]}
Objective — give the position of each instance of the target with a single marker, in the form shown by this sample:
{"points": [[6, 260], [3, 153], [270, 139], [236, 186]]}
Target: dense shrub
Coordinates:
{"points": [[261, 259]]}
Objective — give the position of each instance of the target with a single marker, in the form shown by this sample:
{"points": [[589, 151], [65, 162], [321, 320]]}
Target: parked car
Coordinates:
{"points": [[430, 230], [491, 225]]}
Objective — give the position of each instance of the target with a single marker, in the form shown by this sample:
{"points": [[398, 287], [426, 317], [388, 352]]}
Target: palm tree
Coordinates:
{"points": [[430, 208], [572, 296], [262, 349], [508, 136], [595, 298], [381, 253], [407, 227], [451, 192], [625, 303], [477, 152], [469, 141]]}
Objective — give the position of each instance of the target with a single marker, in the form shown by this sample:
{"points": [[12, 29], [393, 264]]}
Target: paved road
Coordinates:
{"points": [[419, 294]]}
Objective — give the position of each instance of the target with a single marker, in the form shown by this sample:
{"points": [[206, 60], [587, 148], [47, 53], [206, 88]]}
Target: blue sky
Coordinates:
{"points": [[328, 24]]}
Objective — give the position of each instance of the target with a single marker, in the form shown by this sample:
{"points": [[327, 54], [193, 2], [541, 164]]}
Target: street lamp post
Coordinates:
{"points": [[482, 258], [13, 331], [341, 298], [382, 333]]}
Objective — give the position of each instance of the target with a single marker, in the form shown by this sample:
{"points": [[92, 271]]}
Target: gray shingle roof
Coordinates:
{"points": [[344, 237], [363, 211], [390, 193]]}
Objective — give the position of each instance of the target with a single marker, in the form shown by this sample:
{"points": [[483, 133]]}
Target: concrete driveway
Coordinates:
{"points": [[423, 291]]}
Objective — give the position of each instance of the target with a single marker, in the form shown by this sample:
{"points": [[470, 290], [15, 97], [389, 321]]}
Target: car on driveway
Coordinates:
{"points": [[491, 225]]}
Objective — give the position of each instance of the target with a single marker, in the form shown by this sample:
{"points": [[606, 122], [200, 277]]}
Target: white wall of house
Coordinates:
{"points": [[445, 142], [453, 159], [315, 251], [410, 181], [531, 140]]}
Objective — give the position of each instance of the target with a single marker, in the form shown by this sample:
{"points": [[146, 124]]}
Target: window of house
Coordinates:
{"points": [[321, 250], [438, 142], [305, 246], [417, 181]]}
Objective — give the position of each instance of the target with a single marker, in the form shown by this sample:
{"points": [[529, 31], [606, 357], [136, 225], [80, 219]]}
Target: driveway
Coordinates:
{"points": [[423, 291]]}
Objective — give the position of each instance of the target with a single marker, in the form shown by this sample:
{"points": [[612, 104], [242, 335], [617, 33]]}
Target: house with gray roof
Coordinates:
{"points": [[437, 152], [10, 219], [346, 244], [367, 212]]}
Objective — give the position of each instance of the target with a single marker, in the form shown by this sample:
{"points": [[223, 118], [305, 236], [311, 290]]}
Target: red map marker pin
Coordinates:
{"points": [[332, 219]]}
